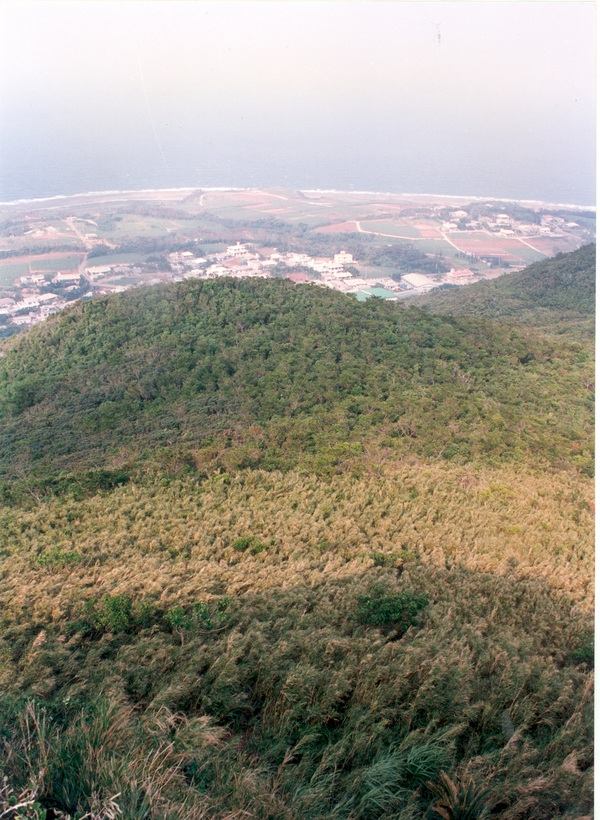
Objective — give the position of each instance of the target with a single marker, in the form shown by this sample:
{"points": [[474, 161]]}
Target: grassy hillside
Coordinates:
{"points": [[269, 552], [294, 647], [557, 295]]}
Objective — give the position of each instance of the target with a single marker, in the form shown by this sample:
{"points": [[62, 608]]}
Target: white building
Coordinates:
{"points": [[24, 320], [218, 270], [98, 270], [418, 281], [67, 276], [237, 250], [300, 259], [326, 267], [343, 258], [461, 272]]}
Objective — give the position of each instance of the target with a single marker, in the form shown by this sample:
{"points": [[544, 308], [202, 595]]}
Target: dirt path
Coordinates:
{"points": [[393, 235], [537, 250], [87, 244], [451, 243]]}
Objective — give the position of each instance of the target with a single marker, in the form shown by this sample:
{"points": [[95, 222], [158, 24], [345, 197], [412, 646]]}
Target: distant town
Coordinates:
{"points": [[48, 260]]}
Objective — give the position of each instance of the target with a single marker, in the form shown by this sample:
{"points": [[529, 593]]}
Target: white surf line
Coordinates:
{"points": [[536, 202], [120, 193]]}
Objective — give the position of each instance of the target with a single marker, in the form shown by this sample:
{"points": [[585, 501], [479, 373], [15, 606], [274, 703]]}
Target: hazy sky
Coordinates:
{"points": [[476, 98]]}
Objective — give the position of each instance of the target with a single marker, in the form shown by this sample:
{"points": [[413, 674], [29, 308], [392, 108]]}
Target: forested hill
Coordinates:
{"points": [[557, 295], [254, 373]]}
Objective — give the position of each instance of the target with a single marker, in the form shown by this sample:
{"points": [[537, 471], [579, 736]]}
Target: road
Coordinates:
{"points": [[87, 244], [537, 250], [392, 235]]}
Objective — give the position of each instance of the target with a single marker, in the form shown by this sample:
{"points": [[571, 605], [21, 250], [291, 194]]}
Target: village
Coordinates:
{"points": [[39, 295], [479, 240], [341, 273]]}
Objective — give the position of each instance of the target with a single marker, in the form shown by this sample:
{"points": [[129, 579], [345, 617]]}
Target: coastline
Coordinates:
{"points": [[64, 198]]}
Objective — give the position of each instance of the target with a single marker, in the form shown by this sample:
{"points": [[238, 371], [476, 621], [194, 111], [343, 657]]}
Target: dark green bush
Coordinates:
{"points": [[241, 544], [584, 653], [249, 542], [57, 558], [202, 615], [115, 613], [400, 611]]}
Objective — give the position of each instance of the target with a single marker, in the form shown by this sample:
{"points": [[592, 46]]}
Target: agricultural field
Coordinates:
{"points": [[116, 259], [427, 229], [483, 244], [403, 230], [9, 271], [56, 263], [338, 227], [41, 245], [133, 225], [551, 245], [433, 245]]}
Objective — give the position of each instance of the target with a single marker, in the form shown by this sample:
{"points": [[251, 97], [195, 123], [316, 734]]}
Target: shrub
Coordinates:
{"points": [[462, 801], [400, 610], [115, 613], [584, 653], [202, 615], [177, 618], [57, 558], [249, 542], [241, 544], [394, 559]]}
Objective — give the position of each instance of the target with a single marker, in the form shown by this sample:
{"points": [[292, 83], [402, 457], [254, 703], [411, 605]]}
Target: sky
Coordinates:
{"points": [[482, 98]]}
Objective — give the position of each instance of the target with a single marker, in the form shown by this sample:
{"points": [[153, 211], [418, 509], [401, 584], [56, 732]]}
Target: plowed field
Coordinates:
{"points": [[339, 227], [507, 248]]}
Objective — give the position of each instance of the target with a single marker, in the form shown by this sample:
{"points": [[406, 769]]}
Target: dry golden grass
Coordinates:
{"points": [[294, 702], [173, 542]]}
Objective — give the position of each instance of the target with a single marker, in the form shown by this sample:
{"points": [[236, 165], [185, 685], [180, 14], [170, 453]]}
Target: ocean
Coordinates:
{"points": [[33, 168]]}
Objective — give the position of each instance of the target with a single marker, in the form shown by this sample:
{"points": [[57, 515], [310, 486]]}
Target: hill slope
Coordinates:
{"points": [[269, 552], [270, 374], [557, 295]]}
